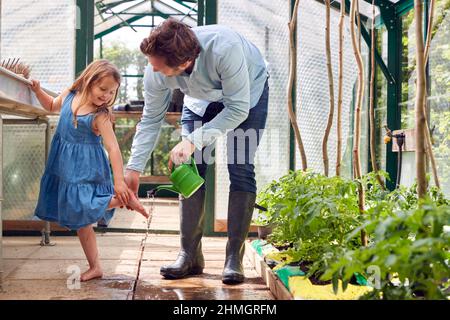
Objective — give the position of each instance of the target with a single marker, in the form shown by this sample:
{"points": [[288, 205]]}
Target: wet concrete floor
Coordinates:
{"points": [[130, 262]]}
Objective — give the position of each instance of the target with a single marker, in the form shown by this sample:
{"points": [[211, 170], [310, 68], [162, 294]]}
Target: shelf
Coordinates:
{"points": [[170, 117], [128, 114], [173, 118], [16, 98], [155, 179]]}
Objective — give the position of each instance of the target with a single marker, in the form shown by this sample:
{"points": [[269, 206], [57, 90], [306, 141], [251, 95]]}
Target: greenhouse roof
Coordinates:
{"points": [[113, 14]]}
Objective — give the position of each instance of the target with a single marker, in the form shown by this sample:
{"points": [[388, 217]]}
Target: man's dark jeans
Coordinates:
{"points": [[241, 142]]}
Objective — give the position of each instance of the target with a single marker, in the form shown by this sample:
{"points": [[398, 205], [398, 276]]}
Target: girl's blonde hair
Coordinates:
{"points": [[93, 73]]}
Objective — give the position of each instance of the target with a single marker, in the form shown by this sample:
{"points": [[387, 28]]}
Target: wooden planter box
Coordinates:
{"points": [[279, 291]]}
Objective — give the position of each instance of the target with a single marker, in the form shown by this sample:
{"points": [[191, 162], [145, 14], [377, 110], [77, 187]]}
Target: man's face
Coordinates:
{"points": [[159, 65]]}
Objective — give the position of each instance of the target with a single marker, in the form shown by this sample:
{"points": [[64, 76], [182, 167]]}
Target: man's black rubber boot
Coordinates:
{"points": [[190, 258], [240, 210]]}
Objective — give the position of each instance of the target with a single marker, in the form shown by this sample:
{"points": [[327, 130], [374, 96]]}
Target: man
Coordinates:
{"points": [[224, 79]]}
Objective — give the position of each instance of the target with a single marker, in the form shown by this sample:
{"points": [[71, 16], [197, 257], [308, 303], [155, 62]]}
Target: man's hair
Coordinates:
{"points": [[172, 40]]}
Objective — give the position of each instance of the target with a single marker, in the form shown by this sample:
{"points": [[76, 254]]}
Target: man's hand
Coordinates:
{"points": [[180, 153]]}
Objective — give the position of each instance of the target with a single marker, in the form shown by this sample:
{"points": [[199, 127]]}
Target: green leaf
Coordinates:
{"points": [[335, 282], [344, 285], [391, 260]]}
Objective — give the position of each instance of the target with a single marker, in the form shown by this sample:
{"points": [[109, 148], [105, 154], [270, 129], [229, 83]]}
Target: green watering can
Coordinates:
{"points": [[185, 178]]}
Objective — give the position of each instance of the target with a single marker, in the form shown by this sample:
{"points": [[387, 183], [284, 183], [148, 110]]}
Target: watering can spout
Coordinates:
{"points": [[167, 187]]}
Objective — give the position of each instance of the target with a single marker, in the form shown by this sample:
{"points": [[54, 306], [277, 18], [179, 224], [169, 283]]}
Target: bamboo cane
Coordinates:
{"points": [[293, 65], [358, 21], [429, 146], [429, 31], [340, 83], [331, 91], [357, 128], [371, 101], [360, 92], [419, 108]]}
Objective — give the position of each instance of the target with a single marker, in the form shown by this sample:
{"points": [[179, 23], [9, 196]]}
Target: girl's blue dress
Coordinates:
{"points": [[77, 186]]}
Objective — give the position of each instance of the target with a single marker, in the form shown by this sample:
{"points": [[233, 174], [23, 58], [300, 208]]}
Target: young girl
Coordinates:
{"points": [[76, 189]]}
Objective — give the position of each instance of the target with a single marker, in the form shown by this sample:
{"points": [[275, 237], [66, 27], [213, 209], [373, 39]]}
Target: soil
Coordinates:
{"points": [[353, 281], [315, 278], [284, 247]]}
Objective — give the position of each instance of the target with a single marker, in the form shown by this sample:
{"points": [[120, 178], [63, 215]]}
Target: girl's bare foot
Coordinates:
{"points": [[135, 204], [92, 273]]}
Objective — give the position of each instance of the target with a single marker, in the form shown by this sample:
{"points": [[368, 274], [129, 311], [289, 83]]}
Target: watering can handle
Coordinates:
{"points": [[194, 166]]}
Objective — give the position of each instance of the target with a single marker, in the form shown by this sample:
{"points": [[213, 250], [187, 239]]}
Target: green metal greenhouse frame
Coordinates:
{"points": [[206, 12]]}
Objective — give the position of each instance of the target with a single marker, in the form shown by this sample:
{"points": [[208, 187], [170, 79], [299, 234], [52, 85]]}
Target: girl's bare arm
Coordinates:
{"points": [[104, 126], [48, 102]]}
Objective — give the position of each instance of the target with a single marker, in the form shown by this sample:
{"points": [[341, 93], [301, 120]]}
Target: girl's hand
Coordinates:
{"points": [[123, 193], [132, 180], [35, 85]]}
